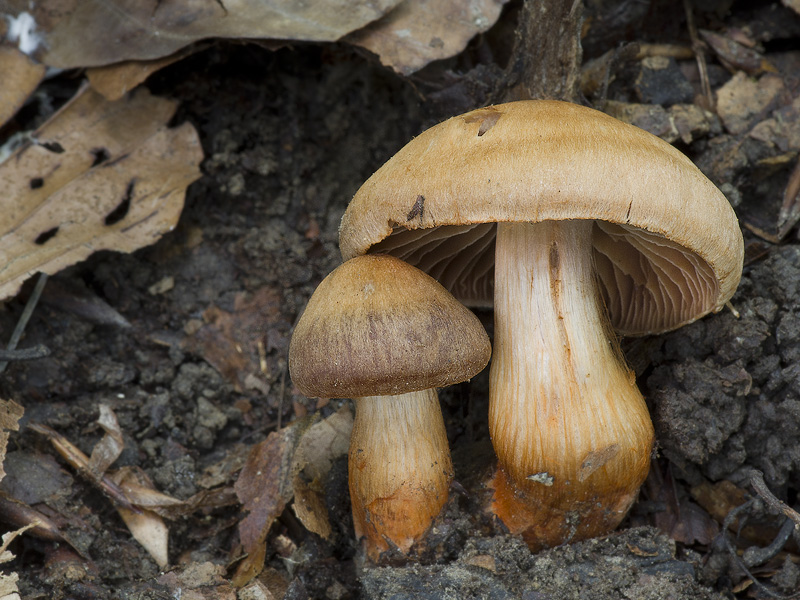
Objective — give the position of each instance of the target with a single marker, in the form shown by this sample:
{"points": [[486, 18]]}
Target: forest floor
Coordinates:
{"points": [[186, 341]]}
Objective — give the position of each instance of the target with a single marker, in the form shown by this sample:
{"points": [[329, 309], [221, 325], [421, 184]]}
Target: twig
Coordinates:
{"points": [[700, 56], [757, 481], [280, 398], [756, 555], [38, 351], [760, 487], [80, 462], [25, 317]]}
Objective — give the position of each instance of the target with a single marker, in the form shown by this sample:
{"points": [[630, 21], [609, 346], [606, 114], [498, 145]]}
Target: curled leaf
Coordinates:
{"points": [[152, 29]]}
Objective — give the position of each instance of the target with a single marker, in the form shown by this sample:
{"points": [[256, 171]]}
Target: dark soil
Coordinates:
{"points": [[289, 135]]}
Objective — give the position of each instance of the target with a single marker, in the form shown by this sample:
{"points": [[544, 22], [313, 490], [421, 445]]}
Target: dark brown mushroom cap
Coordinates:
{"points": [[377, 326], [667, 244]]}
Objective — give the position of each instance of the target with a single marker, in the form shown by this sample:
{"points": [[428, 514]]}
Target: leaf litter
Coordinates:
{"points": [[98, 175], [754, 108]]}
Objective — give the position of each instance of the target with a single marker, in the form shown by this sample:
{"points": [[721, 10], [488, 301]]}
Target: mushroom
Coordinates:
{"points": [[576, 225], [386, 334]]}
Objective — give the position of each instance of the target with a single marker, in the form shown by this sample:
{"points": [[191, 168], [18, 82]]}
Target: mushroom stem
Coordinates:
{"points": [[400, 468], [571, 431]]}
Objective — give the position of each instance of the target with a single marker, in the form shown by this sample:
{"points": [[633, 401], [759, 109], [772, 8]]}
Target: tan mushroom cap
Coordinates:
{"points": [[667, 244], [377, 326]]}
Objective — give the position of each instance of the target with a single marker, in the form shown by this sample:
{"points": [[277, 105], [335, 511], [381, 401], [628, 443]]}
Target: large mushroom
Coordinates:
{"points": [[575, 225], [387, 335]]}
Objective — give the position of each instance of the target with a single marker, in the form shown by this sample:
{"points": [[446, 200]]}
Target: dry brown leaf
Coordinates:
{"points": [[720, 498], [114, 81], [10, 414], [220, 473], [8, 581], [9, 537], [266, 483], [743, 101], [264, 487], [110, 446], [793, 4], [8, 587], [80, 462], [19, 514], [418, 32], [323, 443], [229, 341], [21, 75], [202, 500], [198, 581], [135, 30], [146, 527], [150, 531], [98, 175], [735, 55], [140, 491]]}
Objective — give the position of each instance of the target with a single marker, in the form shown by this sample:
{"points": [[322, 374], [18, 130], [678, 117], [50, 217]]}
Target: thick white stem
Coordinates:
{"points": [[400, 468], [570, 428]]}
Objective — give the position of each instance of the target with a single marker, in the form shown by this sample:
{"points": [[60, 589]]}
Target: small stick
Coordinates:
{"points": [[280, 398], [80, 462], [38, 351], [760, 486], [700, 56], [25, 317], [755, 555]]}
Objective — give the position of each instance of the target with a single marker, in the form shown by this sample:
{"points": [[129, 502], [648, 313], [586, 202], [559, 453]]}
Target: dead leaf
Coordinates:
{"points": [[10, 414], [721, 498], [744, 101], [137, 501], [198, 581], [21, 75], [150, 531], [8, 582], [140, 491], [8, 587], [18, 513], [114, 81], [793, 4], [678, 122], [133, 30], [323, 443], [110, 446], [681, 519], [146, 527], [80, 462], [736, 56], [417, 32], [229, 341], [264, 487], [221, 472], [9, 537], [98, 175]]}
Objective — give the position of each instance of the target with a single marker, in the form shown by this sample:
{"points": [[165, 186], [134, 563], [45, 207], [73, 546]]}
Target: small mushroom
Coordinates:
{"points": [[575, 225], [386, 334]]}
